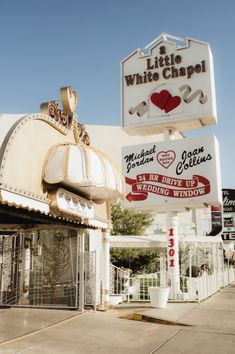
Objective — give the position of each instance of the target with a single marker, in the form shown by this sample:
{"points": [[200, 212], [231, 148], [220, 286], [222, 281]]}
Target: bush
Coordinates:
{"points": [[139, 260], [129, 222]]}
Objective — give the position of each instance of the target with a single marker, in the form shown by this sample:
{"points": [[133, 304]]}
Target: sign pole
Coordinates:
{"points": [[172, 223]]}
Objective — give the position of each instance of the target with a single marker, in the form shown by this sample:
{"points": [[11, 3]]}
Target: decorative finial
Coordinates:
{"points": [[66, 115], [69, 99]]}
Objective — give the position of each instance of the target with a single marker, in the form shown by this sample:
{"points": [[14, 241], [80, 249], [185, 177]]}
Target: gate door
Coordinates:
{"points": [[10, 260], [40, 268]]}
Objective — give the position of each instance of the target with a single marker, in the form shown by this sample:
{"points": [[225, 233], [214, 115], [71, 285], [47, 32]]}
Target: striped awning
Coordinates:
{"points": [[83, 169]]}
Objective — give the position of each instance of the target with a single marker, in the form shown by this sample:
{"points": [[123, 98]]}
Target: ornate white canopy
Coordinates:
{"points": [[84, 169]]}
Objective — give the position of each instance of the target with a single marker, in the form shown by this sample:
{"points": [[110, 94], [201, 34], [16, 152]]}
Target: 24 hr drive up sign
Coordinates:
{"points": [[172, 175], [166, 84]]}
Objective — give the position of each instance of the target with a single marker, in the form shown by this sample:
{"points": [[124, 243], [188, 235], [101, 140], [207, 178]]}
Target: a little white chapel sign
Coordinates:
{"points": [[168, 84]]}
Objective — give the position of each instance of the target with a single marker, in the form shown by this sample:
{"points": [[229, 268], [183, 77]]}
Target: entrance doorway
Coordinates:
{"points": [[42, 267]]}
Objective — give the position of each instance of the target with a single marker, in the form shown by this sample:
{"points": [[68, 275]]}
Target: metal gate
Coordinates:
{"points": [[89, 280], [40, 268]]}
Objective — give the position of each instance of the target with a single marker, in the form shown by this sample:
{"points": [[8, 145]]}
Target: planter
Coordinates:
{"points": [[159, 296], [115, 299]]}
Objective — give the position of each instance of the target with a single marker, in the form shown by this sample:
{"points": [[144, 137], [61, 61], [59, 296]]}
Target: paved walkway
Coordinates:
{"points": [[190, 328]]}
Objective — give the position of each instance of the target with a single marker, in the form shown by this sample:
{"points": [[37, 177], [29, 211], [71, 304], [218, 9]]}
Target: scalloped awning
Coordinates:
{"points": [[84, 169]]}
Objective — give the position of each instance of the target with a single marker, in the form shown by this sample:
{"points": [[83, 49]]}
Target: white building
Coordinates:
{"points": [[55, 191]]}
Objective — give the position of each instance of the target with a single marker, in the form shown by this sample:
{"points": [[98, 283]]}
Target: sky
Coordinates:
{"points": [[48, 44]]}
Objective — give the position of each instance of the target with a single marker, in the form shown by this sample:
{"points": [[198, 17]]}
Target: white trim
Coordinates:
{"points": [[156, 241], [97, 224], [24, 202]]}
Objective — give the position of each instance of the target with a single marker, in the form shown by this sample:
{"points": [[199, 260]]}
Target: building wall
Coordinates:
{"points": [[111, 139]]}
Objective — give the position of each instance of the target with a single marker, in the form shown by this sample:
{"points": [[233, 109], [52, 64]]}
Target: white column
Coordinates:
{"points": [[172, 222], [106, 267], [26, 269], [1, 269], [81, 272]]}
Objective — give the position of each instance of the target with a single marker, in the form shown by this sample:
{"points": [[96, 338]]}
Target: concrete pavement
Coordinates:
{"points": [[205, 328]]}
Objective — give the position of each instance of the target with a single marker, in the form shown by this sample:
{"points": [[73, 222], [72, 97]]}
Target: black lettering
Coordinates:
{"points": [[203, 66], [192, 158], [156, 63], [150, 76], [164, 73], [155, 76], [179, 168], [190, 71], [184, 155], [161, 62], [182, 71], [162, 50], [149, 67], [198, 68], [128, 167], [178, 59], [174, 72], [136, 159], [130, 79], [145, 77], [139, 79], [129, 158], [167, 60]]}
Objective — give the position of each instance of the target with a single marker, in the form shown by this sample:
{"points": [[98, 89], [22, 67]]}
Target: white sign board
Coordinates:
{"points": [[172, 175], [168, 85], [70, 203]]}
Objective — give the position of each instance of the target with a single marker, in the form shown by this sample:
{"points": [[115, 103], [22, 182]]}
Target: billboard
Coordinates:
{"points": [[172, 175], [168, 84], [229, 214], [216, 221], [229, 200]]}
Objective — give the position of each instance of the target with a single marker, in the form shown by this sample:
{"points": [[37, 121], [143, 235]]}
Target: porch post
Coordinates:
{"points": [[106, 267], [1, 269], [81, 272]]}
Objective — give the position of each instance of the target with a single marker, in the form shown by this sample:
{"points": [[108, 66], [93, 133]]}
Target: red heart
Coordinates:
{"points": [[166, 158], [160, 99], [172, 103]]}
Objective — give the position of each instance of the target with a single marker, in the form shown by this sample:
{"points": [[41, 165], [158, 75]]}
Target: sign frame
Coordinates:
{"points": [[145, 91], [173, 175]]}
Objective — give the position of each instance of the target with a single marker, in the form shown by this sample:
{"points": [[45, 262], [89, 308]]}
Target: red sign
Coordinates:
{"points": [[191, 188], [171, 248]]}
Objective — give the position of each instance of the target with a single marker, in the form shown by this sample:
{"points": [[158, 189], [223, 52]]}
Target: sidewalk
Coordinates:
{"points": [[218, 311], [205, 328]]}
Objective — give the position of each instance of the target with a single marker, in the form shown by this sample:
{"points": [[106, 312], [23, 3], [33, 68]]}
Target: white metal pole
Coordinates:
{"points": [[190, 260], [81, 272], [106, 268], [173, 251], [172, 222]]}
